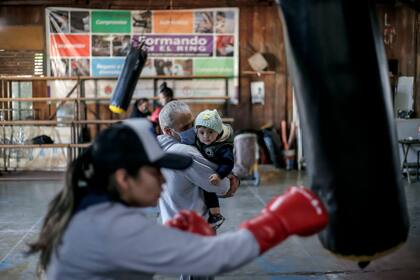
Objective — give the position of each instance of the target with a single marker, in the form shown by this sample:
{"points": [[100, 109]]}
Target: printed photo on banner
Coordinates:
{"points": [[79, 22], [101, 45], [203, 22], [149, 68], [225, 22], [80, 67], [142, 21], [121, 45], [182, 67], [225, 45], [59, 67], [163, 66], [59, 21]]}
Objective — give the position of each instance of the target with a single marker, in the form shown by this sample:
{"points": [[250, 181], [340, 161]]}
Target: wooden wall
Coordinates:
{"points": [[21, 36], [260, 30], [22, 28], [20, 62], [403, 26]]}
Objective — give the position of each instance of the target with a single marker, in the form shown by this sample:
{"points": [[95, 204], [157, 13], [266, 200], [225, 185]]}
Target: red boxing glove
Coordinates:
{"points": [[298, 211], [187, 220]]}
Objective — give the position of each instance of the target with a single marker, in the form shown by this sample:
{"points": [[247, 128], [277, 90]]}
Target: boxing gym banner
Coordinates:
{"points": [[178, 45], [84, 42]]}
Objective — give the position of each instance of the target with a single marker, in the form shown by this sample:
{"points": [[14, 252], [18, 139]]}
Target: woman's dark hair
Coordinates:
{"points": [[135, 112], [60, 211], [141, 101], [166, 91], [83, 177]]}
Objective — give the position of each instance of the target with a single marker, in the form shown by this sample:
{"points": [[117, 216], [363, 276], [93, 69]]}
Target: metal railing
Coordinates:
{"points": [[7, 147]]}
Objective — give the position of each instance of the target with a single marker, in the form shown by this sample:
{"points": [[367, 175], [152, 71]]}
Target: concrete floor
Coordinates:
{"points": [[23, 204]]}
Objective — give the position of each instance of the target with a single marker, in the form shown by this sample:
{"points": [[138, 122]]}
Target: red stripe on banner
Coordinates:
{"points": [[66, 45]]}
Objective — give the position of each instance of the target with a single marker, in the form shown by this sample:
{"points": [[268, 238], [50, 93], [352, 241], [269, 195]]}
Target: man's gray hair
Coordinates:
{"points": [[167, 115]]}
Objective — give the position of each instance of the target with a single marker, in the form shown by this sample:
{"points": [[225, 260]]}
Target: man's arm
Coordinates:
{"points": [[201, 169], [199, 174]]}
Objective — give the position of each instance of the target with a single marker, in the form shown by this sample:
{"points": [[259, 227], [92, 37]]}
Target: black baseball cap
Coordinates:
{"points": [[133, 143]]}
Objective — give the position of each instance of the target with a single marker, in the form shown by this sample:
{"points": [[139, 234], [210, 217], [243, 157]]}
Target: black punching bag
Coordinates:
{"points": [[337, 61], [127, 80]]}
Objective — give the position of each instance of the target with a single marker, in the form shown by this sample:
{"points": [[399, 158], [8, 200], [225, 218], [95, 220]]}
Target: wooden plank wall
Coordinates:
{"points": [[403, 45], [261, 30], [21, 15], [20, 62], [21, 36]]}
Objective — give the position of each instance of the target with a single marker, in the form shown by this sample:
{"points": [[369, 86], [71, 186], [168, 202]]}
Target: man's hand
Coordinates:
{"points": [[214, 179], [234, 185]]}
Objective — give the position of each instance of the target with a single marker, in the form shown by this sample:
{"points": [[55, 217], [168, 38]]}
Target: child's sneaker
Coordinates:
{"points": [[216, 220]]}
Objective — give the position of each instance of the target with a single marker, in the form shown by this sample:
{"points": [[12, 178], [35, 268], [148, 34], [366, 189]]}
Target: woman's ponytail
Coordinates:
{"points": [[60, 211]]}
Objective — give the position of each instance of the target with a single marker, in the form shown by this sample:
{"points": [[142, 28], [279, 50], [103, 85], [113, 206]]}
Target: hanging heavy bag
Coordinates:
{"points": [[127, 80], [339, 69]]}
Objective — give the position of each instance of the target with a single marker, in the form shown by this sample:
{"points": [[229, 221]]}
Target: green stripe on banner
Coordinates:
{"points": [[111, 22], [214, 66]]}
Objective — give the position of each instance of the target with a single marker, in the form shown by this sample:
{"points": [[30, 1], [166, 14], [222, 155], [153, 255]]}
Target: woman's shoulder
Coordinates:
{"points": [[108, 213]]}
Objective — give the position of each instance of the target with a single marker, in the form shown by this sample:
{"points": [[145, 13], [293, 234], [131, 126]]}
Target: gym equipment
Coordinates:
{"points": [[127, 80], [339, 69]]}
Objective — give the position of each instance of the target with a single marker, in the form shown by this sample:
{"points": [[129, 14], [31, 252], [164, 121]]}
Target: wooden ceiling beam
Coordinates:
{"points": [[143, 4], [36, 3]]}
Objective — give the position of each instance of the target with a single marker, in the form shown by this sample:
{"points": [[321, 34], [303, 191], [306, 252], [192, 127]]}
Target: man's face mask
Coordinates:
{"points": [[186, 136]]}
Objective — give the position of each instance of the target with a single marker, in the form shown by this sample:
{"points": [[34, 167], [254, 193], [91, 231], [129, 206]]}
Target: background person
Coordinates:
{"points": [[141, 108], [204, 22], [184, 190], [166, 95]]}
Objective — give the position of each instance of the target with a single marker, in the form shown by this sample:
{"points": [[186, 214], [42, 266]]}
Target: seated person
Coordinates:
{"points": [[141, 109]]}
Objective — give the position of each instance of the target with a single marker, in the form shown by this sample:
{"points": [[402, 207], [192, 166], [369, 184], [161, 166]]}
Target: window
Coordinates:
{"points": [[22, 110], [38, 64]]}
